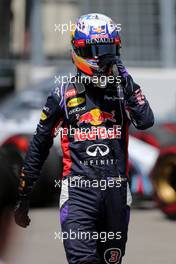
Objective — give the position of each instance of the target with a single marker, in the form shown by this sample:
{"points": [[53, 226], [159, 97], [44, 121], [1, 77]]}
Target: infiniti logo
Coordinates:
{"points": [[95, 149]]}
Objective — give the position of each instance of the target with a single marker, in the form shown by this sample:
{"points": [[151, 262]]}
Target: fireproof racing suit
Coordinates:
{"points": [[93, 127]]}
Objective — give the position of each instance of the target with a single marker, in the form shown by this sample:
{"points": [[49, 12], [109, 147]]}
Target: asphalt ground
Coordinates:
{"points": [[152, 239]]}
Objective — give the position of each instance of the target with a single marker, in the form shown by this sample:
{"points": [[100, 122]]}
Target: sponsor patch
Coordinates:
{"points": [[43, 116], [98, 133], [76, 110], [113, 97], [96, 117], [99, 29], [99, 36], [100, 41], [75, 101], [70, 93], [97, 150]]}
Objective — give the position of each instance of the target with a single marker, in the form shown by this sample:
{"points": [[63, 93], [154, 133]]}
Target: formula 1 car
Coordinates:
{"points": [[153, 170]]}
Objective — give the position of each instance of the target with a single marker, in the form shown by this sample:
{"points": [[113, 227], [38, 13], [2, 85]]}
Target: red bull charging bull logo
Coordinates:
{"points": [[99, 29], [96, 117]]}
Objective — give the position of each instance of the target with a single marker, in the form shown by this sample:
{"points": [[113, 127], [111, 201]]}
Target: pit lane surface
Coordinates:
{"points": [[152, 239]]}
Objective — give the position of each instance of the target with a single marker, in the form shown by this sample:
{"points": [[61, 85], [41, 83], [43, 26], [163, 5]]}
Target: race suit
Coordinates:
{"points": [[94, 141]]}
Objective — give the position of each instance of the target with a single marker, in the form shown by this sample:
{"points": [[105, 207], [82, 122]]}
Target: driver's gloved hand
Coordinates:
{"points": [[128, 85], [21, 212], [113, 65], [22, 207], [105, 63]]}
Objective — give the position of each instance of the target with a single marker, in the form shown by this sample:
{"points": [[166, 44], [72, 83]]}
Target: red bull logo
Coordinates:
{"points": [[99, 29], [96, 117], [95, 133]]}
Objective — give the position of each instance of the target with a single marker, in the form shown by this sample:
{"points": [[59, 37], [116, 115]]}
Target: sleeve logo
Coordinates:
{"points": [[43, 116]]}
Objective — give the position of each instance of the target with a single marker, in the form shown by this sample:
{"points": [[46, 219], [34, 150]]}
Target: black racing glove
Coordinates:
{"points": [[112, 64], [22, 208], [21, 213], [105, 63], [128, 85]]}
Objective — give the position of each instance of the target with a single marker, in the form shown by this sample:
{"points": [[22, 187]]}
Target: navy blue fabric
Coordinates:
{"points": [[91, 209], [95, 210], [83, 115]]}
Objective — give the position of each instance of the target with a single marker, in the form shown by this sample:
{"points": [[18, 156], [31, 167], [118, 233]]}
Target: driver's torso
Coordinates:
{"points": [[95, 135]]}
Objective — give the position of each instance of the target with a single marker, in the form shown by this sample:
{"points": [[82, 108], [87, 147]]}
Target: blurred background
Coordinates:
{"points": [[32, 44], [34, 52]]}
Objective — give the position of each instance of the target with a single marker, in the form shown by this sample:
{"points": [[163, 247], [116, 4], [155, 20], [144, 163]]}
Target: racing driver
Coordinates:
{"points": [[92, 113]]}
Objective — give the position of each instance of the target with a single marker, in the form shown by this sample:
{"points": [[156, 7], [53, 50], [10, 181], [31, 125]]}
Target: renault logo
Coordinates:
{"points": [[96, 149]]}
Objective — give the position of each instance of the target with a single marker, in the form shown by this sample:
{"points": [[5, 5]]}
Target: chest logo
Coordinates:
{"points": [[96, 117], [97, 149], [75, 101], [113, 97]]}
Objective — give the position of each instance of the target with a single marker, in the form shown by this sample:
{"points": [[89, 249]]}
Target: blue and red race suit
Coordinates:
{"points": [[93, 126]]}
